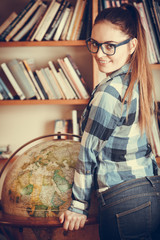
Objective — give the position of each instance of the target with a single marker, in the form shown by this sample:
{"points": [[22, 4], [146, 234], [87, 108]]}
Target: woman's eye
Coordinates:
{"points": [[109, 46]]}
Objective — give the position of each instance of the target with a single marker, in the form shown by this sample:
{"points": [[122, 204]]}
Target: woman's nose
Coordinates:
{"points": [[100, 53]]}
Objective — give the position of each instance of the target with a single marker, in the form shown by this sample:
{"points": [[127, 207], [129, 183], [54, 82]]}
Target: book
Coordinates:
{"points": [[61, 126], [40, 11], [75, 14], [16, 20], [67, 89], [56, 20], [78, 21], [53, 83], [151, 51], [29, 65], [77, 71], [12, 81], [57, 78], [75, 124], [8, 21], [46, 20], [77, 80], [9, 94], [62, 22], [44, 80], [44, 94], [66, 27], [69, 77], [29, 79], [152, 29], [23, 20], [3, 93], [20, 78]]}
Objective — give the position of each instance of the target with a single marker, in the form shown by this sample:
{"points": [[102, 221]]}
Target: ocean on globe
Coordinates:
{"points": [[40, 180]]}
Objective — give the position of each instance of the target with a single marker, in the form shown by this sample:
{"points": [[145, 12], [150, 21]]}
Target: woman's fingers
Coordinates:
{"points": [[72, 220]]}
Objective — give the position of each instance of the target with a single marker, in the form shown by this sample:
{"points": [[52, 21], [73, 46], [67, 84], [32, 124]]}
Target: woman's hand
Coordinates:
{"points": [[72, 221]]}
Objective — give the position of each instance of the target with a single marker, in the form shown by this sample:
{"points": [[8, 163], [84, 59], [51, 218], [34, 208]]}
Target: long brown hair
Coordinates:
{"points": [[127, 18]]}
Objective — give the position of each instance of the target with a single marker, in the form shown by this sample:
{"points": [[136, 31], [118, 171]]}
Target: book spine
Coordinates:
{"points": [[56, 20], [21, 79], [76, 78], [44, 94], [16, 20], [12, 81], [3, 93], [7, 22], [56, 75], [6, 89], [78, 72], [73, 19], [47, 19], [62, 22]]}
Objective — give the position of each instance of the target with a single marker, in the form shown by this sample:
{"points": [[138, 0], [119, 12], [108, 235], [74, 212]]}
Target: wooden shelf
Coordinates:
{"points": [[43, 43], [43, 102], [155, 66]]}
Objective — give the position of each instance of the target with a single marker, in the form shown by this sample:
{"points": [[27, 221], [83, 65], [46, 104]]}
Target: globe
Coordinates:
{"points": [[40, 180]]}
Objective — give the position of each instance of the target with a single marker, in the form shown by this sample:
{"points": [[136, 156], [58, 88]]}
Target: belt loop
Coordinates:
{"points": [[151, 182], [102, 199]]}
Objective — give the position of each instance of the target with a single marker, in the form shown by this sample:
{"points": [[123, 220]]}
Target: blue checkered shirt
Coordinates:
{"points": [[112, 147]]}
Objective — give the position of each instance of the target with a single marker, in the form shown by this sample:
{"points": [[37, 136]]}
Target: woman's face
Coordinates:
{"points": [[108, 32]]}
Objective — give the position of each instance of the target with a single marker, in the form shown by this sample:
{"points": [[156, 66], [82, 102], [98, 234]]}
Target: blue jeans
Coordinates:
{"points": [[131, 210]]}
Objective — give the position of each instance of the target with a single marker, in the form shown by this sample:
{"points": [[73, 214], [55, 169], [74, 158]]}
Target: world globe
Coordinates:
{"points": [[39, 182]]}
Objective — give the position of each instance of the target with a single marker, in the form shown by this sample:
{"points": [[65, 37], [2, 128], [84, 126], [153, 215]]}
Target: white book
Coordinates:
{"points": [[12, 81], [31, 23], [75, 124], [49, 86], [56, 74], [77, 24], [44, 83], [62, 24], [50, 82], [77, 79], [73, 19], [66, 86], [29, 79], [46, 20], [68, 76], [23, 20], [53, 82], [1, 97], [66, 27], [8, 21], [28, 63]]}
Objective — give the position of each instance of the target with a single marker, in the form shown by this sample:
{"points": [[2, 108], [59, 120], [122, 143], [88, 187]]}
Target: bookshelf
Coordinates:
{"points": [[44, 112]]}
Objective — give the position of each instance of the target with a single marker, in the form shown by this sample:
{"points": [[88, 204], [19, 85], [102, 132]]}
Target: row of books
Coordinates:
{"points": [[150, 15], [21, 80], [54, 20]]}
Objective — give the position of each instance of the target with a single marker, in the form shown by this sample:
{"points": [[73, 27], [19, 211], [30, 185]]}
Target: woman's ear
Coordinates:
{"points": [[133, 44]]}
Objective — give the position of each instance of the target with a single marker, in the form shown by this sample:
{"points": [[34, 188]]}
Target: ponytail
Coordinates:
{"points": [[127, 18]]}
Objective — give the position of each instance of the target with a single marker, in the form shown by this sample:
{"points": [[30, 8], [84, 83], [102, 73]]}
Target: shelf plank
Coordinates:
{"points": [[43, 102], [43, 43]]}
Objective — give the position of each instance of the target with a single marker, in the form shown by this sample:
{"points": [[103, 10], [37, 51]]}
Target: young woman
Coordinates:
{"points": [[117, 143]]}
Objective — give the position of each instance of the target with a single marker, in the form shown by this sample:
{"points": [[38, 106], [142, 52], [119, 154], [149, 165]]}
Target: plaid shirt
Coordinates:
{"points": [[112, 148]]}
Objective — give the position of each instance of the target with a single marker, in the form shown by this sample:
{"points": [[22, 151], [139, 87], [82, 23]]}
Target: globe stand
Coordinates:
{"points": [[38, 225]]}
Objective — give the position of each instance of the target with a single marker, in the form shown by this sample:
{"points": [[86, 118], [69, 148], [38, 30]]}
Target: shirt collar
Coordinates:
{"points": [[121, 71]]}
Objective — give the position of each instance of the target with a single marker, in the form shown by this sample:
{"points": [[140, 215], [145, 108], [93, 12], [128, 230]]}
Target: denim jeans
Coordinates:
{"points": [[131, 210]]}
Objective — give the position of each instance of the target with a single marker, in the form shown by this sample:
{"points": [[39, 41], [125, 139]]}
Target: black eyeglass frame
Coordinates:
{"points": [[100, 45]]}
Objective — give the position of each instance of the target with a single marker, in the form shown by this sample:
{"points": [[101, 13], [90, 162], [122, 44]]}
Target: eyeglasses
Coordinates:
{"points": [[107, 48]]}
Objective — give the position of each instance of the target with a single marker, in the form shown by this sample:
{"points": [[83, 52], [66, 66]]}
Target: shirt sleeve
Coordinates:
{"points": [[104, 114]]}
